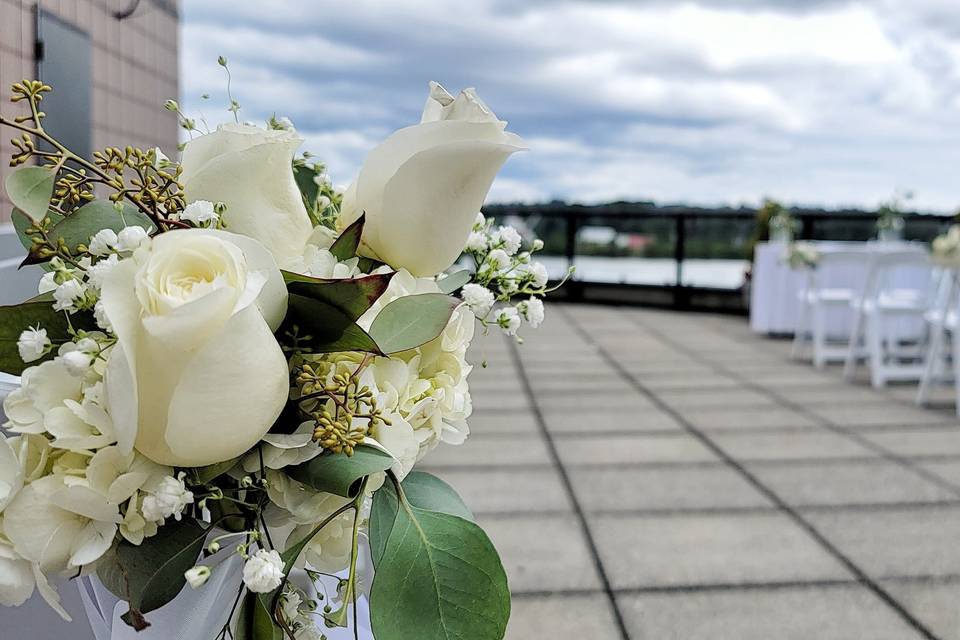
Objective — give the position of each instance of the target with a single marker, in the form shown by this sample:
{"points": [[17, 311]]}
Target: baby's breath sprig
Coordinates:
{"points": [[503, 272]]}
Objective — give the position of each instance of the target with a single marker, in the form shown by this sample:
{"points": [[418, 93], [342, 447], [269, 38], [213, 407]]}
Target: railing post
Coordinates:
{"points": [[573, 287], [679, 253], [806, 231]]}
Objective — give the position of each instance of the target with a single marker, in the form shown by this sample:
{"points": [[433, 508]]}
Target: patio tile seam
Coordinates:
{"points": [[907, 462], [618, 617], [860, 574]]}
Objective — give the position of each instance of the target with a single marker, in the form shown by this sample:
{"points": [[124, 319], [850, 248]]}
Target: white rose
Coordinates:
{"points": [[197, 376], [249, 170], [422, 187], [263, 571]]}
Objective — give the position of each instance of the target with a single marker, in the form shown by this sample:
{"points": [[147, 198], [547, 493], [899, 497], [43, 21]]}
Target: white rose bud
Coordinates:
{"points": [[478, 298], [249, 170], [130, 238], [263, 571], [33, 344], [422, 187], [197, 376], [197, 576], [102, 242]]}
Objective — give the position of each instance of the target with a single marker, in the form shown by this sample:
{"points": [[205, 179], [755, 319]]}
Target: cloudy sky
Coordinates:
{"points": [[716, 101]]}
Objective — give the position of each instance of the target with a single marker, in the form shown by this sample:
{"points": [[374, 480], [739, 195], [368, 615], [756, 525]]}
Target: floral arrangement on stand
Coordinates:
{"points": [[783, 227], [945, 248], [802, 255], [227, 358], [890, 220]]}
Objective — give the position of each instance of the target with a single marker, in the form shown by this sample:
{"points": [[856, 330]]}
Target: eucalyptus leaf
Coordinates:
{"points": [[254, 621], [14, 319], [410, 321], [213, 471], [444, 581], [78, 227], [353, 296], [345, 247], [321, 327], [339, 473], [454, 281], [150, 575], [422, 490], [30, 190]]}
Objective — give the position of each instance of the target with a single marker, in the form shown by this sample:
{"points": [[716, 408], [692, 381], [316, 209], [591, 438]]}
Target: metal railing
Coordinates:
{"points": [[698, 241]]}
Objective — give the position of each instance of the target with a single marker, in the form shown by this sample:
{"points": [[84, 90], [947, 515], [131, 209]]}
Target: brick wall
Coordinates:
{"points": [[134, 69]]}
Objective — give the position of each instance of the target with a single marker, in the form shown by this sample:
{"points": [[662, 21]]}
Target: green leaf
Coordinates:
{"points": [[254, 621], [411, 321], [30, 190], [444, 581], [369, 265], [339, 473], [346, 245], [14, 319], [309, 190], [353, 296], [322, 328], [203, 475], [454, 281], [150, 575], [422, 490], [78, 227]]}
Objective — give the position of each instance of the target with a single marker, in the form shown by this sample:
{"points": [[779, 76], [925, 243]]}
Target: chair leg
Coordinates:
{"points": [[932, 364], [853, 351], [875, 350], [819, 337], [800, 334]]}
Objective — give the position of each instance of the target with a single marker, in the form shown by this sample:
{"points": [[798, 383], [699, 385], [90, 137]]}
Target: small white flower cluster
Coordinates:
{"points": [[203, 214], [263, 571], [502, 273], [945, 248], [802, 255], [108, 241]]}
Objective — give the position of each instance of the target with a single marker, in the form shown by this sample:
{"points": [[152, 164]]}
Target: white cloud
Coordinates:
{"points": [[828, 102]]}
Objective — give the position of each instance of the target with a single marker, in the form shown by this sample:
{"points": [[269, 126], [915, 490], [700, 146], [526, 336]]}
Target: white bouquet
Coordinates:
{"points": [[801, 255], [225, 360]]}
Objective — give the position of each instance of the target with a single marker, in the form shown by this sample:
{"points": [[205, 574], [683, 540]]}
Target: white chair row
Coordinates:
{"points": [[905, 317]]}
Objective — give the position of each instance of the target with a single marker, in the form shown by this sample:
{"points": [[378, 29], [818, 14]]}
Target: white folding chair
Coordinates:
{"points": [[830, 289], [897, 294], [943, 347]]}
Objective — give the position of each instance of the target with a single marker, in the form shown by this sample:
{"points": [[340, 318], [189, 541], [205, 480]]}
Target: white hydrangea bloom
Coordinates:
{"points": [[170, 498], [263, 571], [103, 242], [478, 298], [201, 213], [507, 238], [33, 344]]}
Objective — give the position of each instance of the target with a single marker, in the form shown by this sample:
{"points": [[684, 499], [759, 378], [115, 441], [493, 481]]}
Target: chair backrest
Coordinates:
{"points": [[907, 270], [841, 269]]}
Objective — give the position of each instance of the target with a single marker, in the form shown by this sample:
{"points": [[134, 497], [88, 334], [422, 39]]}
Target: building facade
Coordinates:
{"points": [[111, 63]]}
